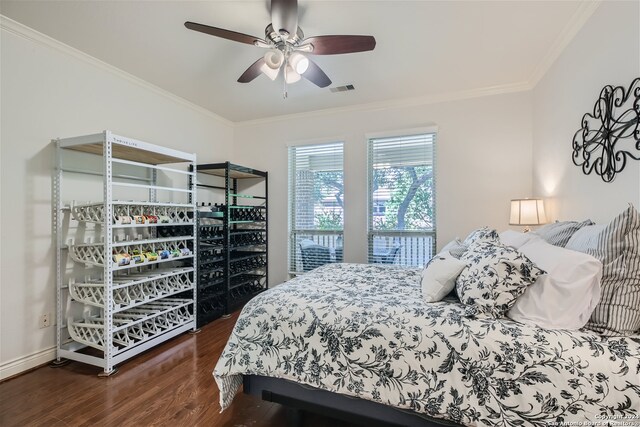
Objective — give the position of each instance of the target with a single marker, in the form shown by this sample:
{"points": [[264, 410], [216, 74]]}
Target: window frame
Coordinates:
{"points": [[324, 235], [408, 234]]}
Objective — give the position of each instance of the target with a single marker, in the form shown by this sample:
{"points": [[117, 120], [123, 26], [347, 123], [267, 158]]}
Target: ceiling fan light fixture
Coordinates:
{"points": [[290, 75], [274, 59], [299, 62], [270, 72], [287, 47]]}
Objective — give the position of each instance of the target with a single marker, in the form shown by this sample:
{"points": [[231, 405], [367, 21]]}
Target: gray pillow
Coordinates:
{"points": [[617, 246], [558, 233], [495, 276]]}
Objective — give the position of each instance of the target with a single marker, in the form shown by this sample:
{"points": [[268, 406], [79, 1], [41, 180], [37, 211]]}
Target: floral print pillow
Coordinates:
{"points": [[495, 276], [484, 234]]}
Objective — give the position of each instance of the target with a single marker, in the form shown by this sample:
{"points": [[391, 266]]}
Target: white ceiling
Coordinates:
{"points": [[424, 48]]}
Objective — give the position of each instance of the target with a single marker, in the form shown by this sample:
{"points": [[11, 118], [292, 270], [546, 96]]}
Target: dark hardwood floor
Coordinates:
{"points": [[170, 385]]}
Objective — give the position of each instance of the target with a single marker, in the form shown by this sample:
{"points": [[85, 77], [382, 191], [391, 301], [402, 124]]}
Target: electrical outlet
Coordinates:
{"points": [[45, 320]]}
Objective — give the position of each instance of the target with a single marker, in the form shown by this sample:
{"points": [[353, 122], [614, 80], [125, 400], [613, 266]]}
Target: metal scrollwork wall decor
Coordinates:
{"points": [[610, 135]]}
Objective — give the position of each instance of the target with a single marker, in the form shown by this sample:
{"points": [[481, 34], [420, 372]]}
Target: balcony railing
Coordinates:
{"points": [[410, 248], [313, 248]]}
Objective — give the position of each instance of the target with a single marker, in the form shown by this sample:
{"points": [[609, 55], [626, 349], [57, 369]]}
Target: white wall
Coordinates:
{"points": [[48, 92], [483, 161], [605, 51], [484, 153]]}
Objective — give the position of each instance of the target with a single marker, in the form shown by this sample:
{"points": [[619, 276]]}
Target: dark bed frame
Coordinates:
{"points": [[299, 399]]}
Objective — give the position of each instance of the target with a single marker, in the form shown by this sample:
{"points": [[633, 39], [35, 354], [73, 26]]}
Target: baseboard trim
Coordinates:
{"points": [[25, 363]]}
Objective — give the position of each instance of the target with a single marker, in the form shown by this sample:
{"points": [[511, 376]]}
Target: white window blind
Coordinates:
{"points": [[402, 199], [316, 206]]}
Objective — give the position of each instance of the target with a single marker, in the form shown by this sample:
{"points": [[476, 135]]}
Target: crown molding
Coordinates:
{"points": [[28, 33], [577, 21], [397, 103]]}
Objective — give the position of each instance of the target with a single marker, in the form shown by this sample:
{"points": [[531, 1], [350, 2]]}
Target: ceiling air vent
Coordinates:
{"points": [[344, 88]]}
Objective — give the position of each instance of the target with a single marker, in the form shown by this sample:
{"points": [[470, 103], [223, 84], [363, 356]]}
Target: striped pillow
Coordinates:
{"points": [[617, 246], [558, 233]]}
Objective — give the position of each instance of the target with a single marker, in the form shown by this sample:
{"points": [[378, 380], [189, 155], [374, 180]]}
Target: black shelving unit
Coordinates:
{"points": [[232, 242]]}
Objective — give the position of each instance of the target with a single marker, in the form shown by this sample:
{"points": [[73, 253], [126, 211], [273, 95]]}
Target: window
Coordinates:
{"points": [[402, 199], [316, 206]]}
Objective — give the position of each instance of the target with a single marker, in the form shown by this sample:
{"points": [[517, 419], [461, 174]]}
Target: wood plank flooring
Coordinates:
{"points": [[170, 385]]}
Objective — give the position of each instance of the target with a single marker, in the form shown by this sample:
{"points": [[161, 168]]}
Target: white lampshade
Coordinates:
{"points": [[527, 212], [290, 75], [270, 72], [299, 62], [273, 60]]}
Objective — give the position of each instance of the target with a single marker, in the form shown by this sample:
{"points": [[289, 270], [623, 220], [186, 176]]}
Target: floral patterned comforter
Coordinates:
{"points": [[364, 330]]}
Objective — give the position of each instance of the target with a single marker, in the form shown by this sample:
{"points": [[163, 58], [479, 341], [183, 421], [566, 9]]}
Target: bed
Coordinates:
{"points": [[363, 332]]}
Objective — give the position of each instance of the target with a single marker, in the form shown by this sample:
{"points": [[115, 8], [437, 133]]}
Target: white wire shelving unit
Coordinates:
{"points": [[125, 269]]}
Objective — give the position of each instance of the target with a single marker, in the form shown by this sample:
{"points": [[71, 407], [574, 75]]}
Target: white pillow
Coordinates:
{"points": [[565, 297], [516, 239], [439, 276]]}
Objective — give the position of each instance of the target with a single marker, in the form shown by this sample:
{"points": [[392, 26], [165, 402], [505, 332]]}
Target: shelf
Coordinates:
{"points": [[247, 221], [238, 301], [166, 204], [151, 187], [242, 241], [134, 326], [210, 309], [123, 309], [177, 214], [248, 245], [208, 239], [204, 262], [93, 254], [235, 171], [203, 247], [242, 255], [213, 215], [141, 242], [207, 285], [244, 278], [248, 270], [246, 231], [246, 196], [141, 226], [126, 149], [135, 288], [147, 242], [204, 271]]}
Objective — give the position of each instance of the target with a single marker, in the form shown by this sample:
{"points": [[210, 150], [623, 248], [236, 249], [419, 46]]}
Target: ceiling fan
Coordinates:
{"points": [[288, 48]]}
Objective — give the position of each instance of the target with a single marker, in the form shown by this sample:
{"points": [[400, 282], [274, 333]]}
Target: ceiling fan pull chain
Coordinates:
{"points": [[284, 82]]}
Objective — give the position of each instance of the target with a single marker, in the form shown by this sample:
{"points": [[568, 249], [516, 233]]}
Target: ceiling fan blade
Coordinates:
{"points": [[316, 76], [335, 45], [284, 16], [225, 34], [252, 72]]}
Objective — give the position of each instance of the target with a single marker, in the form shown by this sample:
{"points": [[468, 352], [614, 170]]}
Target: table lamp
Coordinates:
{"points": [[527, 212]]}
